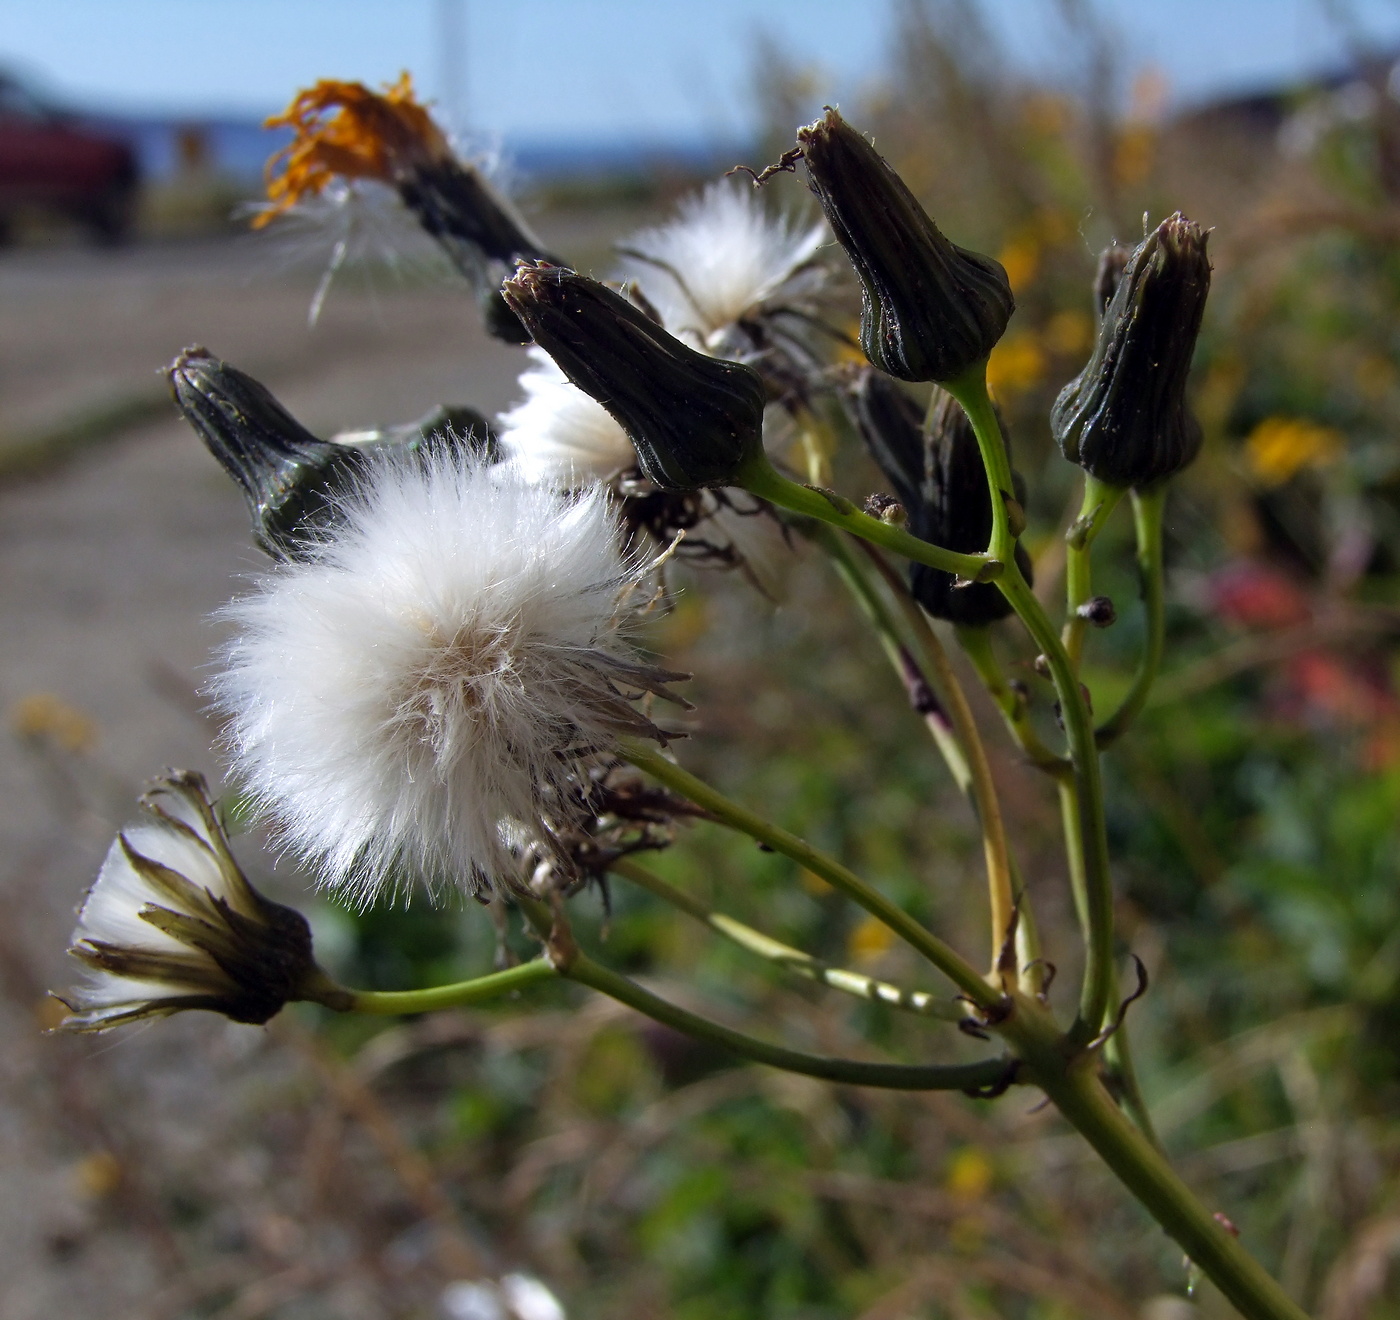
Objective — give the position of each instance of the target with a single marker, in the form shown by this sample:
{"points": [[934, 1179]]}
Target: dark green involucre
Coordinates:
{"points": [[291, 478], [930, 309], [694, 420], [1124, 418], [938, 475]]}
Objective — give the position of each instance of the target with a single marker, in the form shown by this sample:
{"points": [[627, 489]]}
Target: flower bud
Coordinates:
{"points": [[1124, 418], [891, 425], [171, 923], [956, 513], [694, 420], [1107, 275], [930, 309], [288, 475]]}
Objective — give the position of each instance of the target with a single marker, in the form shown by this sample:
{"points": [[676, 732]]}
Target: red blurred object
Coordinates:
{"points": [[1258, 595], [51, 161]]}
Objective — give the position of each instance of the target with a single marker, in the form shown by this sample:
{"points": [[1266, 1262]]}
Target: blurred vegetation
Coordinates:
{"points": [[1254, 809]]}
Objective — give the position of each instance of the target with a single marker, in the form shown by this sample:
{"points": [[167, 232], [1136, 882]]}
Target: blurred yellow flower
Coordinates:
{"points": [[1133, 153], [969, 1175], [1021, 258], [1069, 333], [869, 940], [1017, 364], [1280, 447], [45, 716]]}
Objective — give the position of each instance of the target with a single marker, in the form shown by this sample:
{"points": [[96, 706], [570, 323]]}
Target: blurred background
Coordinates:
{"points": [[338, 1169]]}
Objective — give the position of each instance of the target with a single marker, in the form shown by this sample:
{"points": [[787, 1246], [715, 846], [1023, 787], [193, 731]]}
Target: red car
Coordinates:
{"points": [[51, 161]]}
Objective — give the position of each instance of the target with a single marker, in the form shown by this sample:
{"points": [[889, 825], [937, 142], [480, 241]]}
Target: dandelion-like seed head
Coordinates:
{"points": [[724, 256], [557, 434], [432, 684]]}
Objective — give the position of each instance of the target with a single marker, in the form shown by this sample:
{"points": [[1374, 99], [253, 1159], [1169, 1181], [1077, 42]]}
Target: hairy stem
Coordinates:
{"points": [[804, 964], [945, 958]]}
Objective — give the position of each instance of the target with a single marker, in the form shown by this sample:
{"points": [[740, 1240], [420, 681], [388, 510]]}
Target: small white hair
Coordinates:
{"points": [[723, 256], [425, 686]]}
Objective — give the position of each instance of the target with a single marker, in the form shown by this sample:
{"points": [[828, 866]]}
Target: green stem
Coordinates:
{"points": [[983, 790], [852, 983], [890, 1076], [1148, 510], [946, 959], [1076, 1091], [396, 1002], [852, 573], [1099, 501], [761, 479], [976, 643], [970, 390], [1097, 990]]}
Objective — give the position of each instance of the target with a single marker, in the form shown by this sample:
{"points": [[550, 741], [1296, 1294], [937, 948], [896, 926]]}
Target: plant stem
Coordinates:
{"points": [[976, 643], [854, 1072], [1099, 502], [852, 983], [1148, 510], [761, 479], [970, 390], [1076, 1091], [475, 991], [983, 790], [852, 573], [947, 960]]}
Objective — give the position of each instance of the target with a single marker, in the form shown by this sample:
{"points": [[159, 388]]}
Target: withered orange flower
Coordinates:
{"points": [[343, 129]]}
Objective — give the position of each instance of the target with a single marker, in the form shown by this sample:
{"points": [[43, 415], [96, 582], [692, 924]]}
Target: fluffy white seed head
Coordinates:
{"points": [[425, 688], [557, 434], [722, 257]]}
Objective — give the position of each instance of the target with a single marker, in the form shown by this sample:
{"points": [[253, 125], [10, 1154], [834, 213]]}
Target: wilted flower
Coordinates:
{"points": [[172, 923], [345, 131], [430, 685], [694, 420], [721, 260], [929, 309], [557, 434], [1124, 418]]}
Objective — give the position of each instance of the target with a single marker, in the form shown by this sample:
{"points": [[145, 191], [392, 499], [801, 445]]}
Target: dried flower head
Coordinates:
{"points": [[930, 309], [430, 685], [720, 261], [172, 923], [345, 131]]}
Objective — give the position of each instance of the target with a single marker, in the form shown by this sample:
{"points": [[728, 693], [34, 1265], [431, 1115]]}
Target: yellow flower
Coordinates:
{"points": [[1021, 258], [1017, 364], [1069, 333], [969, 1175], [1280, 447], [869, 940]]}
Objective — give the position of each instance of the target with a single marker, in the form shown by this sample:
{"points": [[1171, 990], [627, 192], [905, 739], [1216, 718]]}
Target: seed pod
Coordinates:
{"points": [[1124, 418], [929, 309], [891, 424], [694, 420], [956, 513]]}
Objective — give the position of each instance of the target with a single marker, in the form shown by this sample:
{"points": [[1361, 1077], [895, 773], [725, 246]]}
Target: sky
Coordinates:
{"points": [[603, 69]]}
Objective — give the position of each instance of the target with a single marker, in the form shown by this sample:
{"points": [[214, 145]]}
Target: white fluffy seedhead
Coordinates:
{"points": [[720, 259], [557, 434], [429, 685]]}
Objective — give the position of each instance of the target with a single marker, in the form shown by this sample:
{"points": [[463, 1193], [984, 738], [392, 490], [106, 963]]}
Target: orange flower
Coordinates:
{"points": [[345, 130]]}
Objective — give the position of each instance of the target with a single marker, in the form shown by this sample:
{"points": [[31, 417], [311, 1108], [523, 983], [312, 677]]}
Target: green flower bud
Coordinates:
{"points": [[695, 420], [290, 477], [930, 309], [956, 513], [1124, 418]]}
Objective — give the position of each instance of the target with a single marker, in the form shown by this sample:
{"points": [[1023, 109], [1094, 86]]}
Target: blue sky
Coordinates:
{"points": [[598, 68]]}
